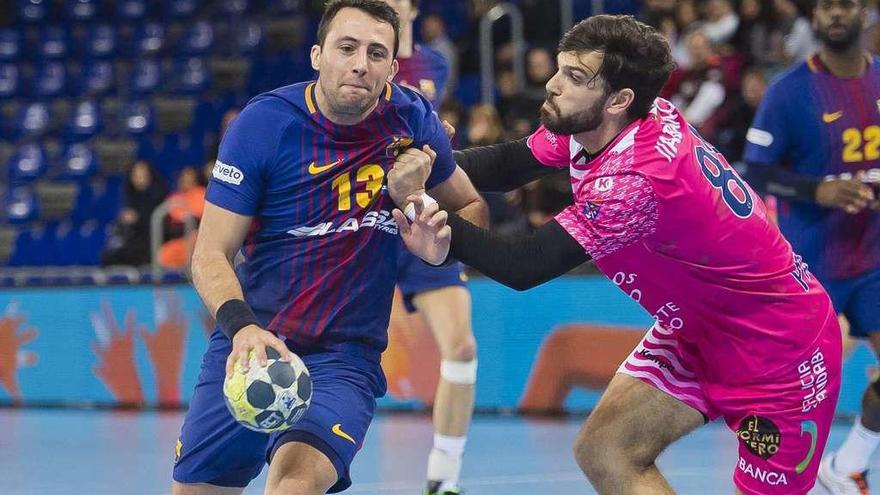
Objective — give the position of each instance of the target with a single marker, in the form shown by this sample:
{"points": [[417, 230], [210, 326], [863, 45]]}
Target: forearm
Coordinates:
{"points": [[519, 262], [215, 280], [501, 167], [475, 212], [771, 179]]}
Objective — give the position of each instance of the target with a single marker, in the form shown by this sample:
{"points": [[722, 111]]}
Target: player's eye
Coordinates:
{"points": [[347, 48], [377, 54]]}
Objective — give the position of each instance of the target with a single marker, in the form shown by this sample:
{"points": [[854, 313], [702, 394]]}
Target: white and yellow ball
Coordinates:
{"points": [[269, 398]]}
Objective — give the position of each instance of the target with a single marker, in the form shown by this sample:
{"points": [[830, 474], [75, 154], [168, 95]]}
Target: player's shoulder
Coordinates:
{"points": [[407, 101], [288, 102], [788, 80]]}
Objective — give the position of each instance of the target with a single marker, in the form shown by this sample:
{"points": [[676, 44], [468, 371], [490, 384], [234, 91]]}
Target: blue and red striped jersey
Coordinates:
{"points": [[820, 125], [319, 264], [426, 71]]}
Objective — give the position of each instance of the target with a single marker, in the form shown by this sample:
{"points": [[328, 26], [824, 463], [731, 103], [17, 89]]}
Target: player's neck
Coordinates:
{"points": [[405, 47], [849, 63], [337, 118], [596, 140]]}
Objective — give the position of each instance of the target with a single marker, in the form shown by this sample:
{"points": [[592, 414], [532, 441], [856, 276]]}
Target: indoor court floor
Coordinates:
{"points": [[98, 452]]}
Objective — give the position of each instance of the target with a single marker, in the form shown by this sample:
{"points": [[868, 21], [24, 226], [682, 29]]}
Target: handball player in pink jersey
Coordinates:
{"points": [[742, 330]]}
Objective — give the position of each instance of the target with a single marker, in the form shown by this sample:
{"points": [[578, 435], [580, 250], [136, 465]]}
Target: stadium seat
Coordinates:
{"points": [[284, 34], [248, 37], [91, 238], [149, 40], [20, 205], [233, 8], [32, 11], [53, 44], [284, 7], [191, 76], [138, 118], [84, 121], [101, 41], [180, 9], [10, 45], [50, 80], [96, 78], [107, 200], [146, 77], [56, 199], [27, 163], [10, 81], [115, 156], [198, 39], [7, 242], [174, 115], [32, 120], [230, 74], [78, 162], [131, 10], [82, 10]]}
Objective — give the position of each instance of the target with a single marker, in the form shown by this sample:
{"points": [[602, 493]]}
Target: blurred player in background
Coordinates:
{"points": [[815, 145], [438, 293], [297, 250], [743, 331]]}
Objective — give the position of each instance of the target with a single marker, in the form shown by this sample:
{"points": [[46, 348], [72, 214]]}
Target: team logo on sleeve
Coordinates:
{"points": [[398, 144], [227, 173]]}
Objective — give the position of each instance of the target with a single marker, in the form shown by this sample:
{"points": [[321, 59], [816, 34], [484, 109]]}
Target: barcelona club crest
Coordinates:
{"points": [[398, 144]]}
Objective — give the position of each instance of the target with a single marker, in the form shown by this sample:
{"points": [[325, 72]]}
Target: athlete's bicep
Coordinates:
{"points": [[221, 231]]}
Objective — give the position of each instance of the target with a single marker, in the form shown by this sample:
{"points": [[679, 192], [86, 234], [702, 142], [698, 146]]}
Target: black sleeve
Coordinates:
{"points": [[519, 262], [775, 180], [501, 167]]}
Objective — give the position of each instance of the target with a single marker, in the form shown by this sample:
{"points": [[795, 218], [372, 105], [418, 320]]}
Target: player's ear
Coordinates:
{"points": [[394, 68], [620, 101], [315, 55]]}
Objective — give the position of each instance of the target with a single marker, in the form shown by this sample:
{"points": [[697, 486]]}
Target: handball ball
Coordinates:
{"points": [[269, 398]]}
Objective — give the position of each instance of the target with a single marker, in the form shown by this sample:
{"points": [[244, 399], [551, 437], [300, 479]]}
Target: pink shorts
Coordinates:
{"points": [[782, 423]]}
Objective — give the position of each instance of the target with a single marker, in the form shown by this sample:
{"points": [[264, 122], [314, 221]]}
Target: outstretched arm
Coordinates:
{"points": [[501, 167], [519, 262]]}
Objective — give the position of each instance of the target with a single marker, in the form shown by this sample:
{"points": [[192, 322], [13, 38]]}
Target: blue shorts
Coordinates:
{"points": [[414, 276], [859, 300], [213, 448]]}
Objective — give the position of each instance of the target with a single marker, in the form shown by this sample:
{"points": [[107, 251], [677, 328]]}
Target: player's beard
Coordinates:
{"points": [[851, 37], [583, 121]]}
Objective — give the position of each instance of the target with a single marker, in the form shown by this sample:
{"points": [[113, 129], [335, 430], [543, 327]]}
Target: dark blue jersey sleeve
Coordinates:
{"points": [[768, 139], [430, 132], [247, 152]]}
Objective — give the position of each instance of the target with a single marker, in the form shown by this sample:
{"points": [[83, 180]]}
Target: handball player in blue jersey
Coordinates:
{"points": [[815, 144], [439, 294], [297, 250]]}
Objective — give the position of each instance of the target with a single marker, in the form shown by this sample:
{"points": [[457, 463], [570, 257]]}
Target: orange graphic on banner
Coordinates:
{"points": [[412, 361], [574, 356], [115, 351], [166, 346], [11, 355]]}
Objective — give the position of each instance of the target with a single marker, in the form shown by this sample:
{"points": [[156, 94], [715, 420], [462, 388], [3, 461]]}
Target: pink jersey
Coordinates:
{"points": [[669, 221]]}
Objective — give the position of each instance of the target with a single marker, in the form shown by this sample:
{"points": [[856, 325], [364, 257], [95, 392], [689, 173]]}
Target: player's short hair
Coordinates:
{"points": [[635, 56], [378, 9]]}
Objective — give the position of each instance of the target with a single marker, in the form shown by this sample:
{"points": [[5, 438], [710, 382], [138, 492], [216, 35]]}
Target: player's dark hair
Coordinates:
{"points": [[378, 9], [635, 56]]}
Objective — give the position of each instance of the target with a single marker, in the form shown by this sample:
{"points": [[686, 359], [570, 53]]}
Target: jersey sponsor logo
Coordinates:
{"points": [[831, 117], [379, 220], [337, 430], [810, 428], [759, 435], [317, 169], [813, 375], [771, 478], [759, 137], [227, 173], [603, 184]]}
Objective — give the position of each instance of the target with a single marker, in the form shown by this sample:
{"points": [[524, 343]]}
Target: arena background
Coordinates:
{"points": [[95, 306]]}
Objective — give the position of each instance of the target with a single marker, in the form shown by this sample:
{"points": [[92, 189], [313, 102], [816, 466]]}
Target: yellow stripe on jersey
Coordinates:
{"points": [[309, 102], [387, 91]]}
